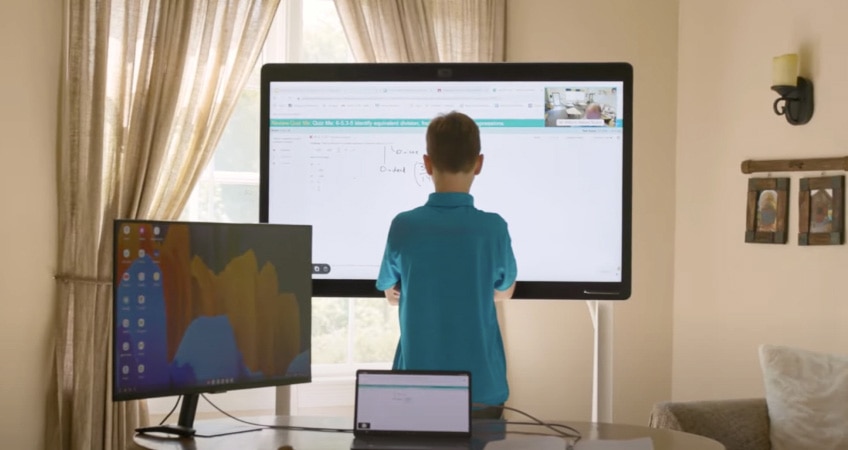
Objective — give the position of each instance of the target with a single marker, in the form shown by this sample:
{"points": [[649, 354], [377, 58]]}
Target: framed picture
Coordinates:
{"points": [[821, 211], [767, 210]]}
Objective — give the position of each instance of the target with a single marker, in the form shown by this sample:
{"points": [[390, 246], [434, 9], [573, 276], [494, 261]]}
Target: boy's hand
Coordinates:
{"points": [[393, 294]]}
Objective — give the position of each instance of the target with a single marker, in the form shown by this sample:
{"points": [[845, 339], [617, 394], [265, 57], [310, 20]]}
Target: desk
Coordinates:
{"points": [[311, 440]]}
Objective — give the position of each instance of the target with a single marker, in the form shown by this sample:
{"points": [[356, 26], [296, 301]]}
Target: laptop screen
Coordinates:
{"points": [[412, 402]]}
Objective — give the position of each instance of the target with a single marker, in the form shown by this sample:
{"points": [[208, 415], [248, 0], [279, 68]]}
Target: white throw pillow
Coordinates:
{"points": [[807, 397]]}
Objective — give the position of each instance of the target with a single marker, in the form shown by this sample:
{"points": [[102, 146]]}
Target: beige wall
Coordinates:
{"points": [[549, 342], [730, 297], [30, 50]]}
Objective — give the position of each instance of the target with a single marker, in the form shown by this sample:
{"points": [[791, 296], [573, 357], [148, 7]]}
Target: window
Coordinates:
{"points": [[303, 31], [346, 333]]}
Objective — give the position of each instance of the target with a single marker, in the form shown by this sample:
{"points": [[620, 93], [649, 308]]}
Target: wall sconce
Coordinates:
{"points": [[796, 93]]}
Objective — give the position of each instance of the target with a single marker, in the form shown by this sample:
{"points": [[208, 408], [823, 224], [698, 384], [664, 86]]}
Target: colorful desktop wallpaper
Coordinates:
{"points": [[202, 306]]}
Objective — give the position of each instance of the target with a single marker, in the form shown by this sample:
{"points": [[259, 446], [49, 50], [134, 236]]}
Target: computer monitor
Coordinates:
{"points": [[342, 147], [209, 307]]}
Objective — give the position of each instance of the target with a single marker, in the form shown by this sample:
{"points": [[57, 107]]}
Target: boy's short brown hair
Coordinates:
{"points": [[453, 142]]}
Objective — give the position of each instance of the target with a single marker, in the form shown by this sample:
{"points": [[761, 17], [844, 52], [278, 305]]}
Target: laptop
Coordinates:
{"points": [[412, 410]]}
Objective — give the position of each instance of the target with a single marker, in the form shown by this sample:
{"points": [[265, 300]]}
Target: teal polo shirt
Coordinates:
{"points": [[449, 257]]}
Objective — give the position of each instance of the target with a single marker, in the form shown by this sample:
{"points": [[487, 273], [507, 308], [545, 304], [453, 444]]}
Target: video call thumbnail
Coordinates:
{"points": [[571, 106]]}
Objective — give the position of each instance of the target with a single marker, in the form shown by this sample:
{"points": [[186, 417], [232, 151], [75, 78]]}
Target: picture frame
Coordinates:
{"points": [[768, 211], [821, 210]]}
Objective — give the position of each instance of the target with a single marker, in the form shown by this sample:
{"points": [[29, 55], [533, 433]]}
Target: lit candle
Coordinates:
{"points": [[784, 70]]}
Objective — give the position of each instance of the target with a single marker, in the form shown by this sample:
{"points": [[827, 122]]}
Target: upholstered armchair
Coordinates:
{"points": [[739, 424]]}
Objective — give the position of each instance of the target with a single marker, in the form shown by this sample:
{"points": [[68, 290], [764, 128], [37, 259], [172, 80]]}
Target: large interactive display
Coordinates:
{"points": [[209, 307], [342, 148]]}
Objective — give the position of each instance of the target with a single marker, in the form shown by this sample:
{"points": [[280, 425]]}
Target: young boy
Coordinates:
{"points": [[445, 264]]}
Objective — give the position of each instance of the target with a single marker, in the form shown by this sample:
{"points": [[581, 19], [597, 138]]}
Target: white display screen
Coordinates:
{"points": [[412, 402], [346, 155]]}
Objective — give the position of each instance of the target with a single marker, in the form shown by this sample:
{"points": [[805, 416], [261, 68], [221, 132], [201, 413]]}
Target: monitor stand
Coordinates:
{"points": [[185, 426]]}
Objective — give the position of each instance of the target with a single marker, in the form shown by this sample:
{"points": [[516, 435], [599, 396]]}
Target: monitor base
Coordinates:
{"points": [[203, 430], [176, 430]]}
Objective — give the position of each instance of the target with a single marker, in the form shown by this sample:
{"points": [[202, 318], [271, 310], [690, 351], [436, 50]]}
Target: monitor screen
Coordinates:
{"points": [[342, 150], [209, 307]]}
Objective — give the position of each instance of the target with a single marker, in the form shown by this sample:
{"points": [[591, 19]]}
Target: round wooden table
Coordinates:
{"points": [[485, 432]]}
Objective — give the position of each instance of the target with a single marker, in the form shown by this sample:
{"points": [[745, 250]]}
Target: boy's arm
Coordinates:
{"points": [[393, 294], [507, 269], [388, 279], [506, 294]]}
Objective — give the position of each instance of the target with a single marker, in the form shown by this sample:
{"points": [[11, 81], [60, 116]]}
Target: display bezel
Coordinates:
{"points": [[620, 72]]}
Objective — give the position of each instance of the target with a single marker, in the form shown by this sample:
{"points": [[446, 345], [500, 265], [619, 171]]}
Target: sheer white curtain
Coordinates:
{"points": [[146, 90], [424, 30]]}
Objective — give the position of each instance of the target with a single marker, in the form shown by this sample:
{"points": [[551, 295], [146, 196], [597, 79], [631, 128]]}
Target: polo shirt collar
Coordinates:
{"points": [[450, 199]]}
